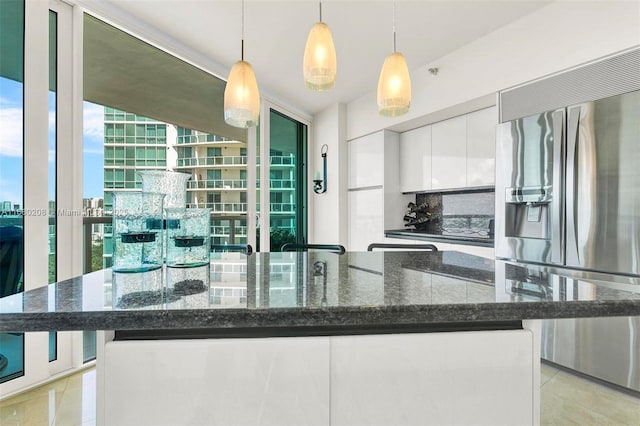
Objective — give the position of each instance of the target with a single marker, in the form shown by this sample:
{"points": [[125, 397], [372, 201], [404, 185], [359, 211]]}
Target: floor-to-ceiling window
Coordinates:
{"points": [[30, 120], [52, 163], [11, 175]]}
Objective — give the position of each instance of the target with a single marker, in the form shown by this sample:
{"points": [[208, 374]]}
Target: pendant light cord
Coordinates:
{"points": [[320, 5], [242, 34], [394, 27]]}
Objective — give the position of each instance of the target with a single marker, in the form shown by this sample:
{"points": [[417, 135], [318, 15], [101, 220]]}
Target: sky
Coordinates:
{"points": [[11, 145], [93, 151], [10, 141]]}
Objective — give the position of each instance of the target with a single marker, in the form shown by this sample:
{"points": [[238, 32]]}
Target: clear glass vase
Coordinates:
{"points": [[172, 184], [188, 288], [143, 290], [137, 231], [188, 237]]}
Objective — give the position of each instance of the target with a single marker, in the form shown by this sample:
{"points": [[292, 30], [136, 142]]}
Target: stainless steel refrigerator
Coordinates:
{"points": [[568, 195]]}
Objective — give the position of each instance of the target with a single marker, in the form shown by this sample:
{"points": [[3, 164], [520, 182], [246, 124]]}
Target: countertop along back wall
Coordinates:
{"points": [[555, 38]]}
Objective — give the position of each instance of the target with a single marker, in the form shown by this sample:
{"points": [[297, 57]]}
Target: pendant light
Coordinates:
{"points": [[394, 84], [241, 95], [319, 64]]}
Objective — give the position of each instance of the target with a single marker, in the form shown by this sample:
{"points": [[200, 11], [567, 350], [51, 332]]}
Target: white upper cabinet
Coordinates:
{"points": [[415, 159], [366, 218], [481, 147], [449, 153], [366, 161]]}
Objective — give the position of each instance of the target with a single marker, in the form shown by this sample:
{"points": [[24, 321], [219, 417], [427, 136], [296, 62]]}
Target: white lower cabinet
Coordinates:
{"points": [[271, 381], [462, 378], [479, 377]]}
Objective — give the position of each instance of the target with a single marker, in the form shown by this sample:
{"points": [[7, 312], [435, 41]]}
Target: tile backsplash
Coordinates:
{"points": [[470, 212]]}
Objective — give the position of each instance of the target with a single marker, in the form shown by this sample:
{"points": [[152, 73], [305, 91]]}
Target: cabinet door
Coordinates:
{"points": [[217, 381], [481, 147], [415, 159], [449, 153], [366, 161], [366, 222], [425, 378]]}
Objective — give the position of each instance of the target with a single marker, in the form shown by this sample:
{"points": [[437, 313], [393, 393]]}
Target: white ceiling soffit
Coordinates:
{"points": [[275, 34], [126, 73]]}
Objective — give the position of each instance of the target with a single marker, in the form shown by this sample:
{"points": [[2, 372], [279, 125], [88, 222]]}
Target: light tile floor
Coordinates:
{"points": [[566, 399], [68, 401]]}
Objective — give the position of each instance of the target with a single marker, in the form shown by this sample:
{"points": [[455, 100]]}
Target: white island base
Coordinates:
{"points": [[453, 378]]}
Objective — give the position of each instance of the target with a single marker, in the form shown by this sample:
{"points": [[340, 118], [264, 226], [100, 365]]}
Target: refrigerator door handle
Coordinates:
{"points": [[557, 203], [573, 123]]}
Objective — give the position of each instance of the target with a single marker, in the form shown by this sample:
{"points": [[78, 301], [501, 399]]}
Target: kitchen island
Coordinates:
{"points": [[319, 338]]}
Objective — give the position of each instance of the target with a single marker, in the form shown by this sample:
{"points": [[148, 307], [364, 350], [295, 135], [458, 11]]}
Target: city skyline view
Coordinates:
{"points": [[11, 119], [217, 165]]}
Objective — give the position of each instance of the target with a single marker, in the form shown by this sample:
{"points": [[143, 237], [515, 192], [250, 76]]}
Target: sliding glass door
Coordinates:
{"points": [[287, 180], [283, 183]]}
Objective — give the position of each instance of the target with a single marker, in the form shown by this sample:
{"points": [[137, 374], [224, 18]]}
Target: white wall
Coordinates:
{"points": [[329, 223], [562, 35], [554, 38]]}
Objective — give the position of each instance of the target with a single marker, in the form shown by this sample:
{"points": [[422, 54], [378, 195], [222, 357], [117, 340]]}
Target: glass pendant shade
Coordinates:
{"points": [[319, 65], [394, 86], [241, 97]]}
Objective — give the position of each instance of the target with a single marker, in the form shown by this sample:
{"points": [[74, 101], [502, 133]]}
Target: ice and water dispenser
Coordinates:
{"points": [[528, 212], [527, 200]]}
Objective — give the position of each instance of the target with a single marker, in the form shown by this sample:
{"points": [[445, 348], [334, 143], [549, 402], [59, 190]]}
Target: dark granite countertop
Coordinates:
{"points": [[466, 237], [324, 292]]}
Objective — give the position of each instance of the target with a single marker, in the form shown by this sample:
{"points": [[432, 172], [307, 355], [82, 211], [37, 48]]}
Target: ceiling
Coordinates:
{"points": [[275, 34]]}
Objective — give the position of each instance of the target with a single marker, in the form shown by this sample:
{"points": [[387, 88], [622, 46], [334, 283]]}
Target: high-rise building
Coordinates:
{"points": [[218, 167], [94, 207], [131, 143], [282, 193], [219, 181]]}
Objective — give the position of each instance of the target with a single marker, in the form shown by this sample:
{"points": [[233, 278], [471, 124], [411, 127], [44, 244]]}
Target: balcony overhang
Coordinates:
{"points": [[126, 73]]}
